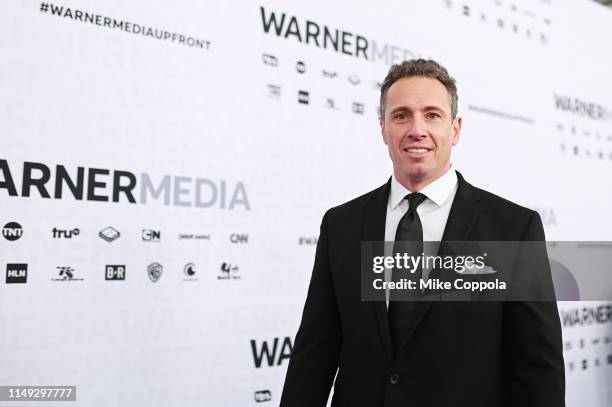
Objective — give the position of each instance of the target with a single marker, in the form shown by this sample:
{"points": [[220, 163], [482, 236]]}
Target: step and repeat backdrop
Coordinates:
{"points": [[164, 168]]}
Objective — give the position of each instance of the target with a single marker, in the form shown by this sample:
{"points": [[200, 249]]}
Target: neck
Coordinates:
{"points": [[417, 184]]}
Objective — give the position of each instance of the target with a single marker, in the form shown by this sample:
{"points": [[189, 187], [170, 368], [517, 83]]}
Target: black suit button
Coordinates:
{"points": [[394, 378]]}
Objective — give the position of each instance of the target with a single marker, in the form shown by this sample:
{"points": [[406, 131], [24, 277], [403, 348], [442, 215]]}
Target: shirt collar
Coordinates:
{"points": [[438, 191]]}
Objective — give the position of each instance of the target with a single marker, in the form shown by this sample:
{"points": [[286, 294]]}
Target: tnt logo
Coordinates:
{"points": [[12, 231], [16, 273], [115, 272]]}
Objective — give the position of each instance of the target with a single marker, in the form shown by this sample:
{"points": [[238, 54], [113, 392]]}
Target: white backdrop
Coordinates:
{"points": [[235, 173]]}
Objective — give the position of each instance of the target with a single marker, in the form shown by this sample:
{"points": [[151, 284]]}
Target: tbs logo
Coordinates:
{"points": [[115, 272]]}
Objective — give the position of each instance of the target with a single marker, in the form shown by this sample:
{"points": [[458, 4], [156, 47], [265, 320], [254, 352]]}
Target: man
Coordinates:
{"points": [[430, 353]]}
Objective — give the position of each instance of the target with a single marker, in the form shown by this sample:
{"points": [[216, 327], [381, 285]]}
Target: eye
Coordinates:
{"points": [[432, 115], [400, 116]]}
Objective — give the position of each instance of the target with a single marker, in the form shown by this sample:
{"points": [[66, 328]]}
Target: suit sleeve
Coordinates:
{"points": [[535, 374], [314, 358]]}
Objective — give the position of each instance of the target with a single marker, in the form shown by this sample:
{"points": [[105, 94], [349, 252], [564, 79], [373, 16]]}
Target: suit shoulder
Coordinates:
{"points": [[355, 206], [503, 206]]}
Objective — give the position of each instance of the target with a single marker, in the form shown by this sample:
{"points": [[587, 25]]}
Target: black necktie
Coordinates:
{"points": [[409, 229]]}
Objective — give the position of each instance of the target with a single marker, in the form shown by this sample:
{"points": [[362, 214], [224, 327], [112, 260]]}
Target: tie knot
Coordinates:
{"points": [[414, 200]]}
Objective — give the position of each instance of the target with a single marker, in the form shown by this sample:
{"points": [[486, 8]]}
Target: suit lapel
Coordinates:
{"points": [[464, 212], [374, 219], [461, 218]]}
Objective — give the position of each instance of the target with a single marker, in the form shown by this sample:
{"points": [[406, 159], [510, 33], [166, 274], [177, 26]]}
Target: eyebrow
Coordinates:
{"points": [[428, 108], [425, 109]]}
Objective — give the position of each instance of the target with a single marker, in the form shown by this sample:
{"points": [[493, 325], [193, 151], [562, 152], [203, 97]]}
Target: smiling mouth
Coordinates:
{"points": [[415, 150]]}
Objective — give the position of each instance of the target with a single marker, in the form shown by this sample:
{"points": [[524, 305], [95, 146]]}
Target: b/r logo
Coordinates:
{"points": [[115, 272]]}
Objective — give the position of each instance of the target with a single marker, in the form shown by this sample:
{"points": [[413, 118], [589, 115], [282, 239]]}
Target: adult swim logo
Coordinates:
{"points": [[322, 36], [106, 185], [12, 231], [16, 273], [194, 236]]}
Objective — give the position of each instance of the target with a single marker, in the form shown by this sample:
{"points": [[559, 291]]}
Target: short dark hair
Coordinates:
{"points": [[419, 67]]}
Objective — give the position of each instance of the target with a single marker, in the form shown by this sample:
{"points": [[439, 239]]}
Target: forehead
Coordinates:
{"points": [[417, 91]]}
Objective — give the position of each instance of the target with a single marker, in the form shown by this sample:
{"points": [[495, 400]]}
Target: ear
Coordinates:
{"points": [[381, 121], [456, 131]]}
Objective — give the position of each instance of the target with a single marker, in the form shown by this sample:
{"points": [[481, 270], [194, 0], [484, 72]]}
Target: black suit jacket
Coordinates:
{"points": [[457, 354]]}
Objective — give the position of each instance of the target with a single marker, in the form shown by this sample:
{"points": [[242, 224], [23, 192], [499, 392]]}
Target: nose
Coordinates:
{"points": [[417, 129]]}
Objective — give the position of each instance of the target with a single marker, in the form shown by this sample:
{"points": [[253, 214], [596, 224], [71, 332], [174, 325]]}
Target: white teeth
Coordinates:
{"points": [[417, 150]]}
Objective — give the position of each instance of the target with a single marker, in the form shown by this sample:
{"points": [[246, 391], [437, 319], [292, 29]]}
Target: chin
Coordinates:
{"points": [[417, 174]]}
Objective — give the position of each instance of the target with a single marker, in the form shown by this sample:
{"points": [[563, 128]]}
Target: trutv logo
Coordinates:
{"points": [[271, 353]]}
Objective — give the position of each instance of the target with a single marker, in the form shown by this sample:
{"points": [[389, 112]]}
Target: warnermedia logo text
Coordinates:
{"points": [[106, 185], [322, 36], [271, 353]]}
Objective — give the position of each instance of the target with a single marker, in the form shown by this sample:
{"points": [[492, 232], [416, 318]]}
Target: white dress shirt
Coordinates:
{"points": [[433, 212]]}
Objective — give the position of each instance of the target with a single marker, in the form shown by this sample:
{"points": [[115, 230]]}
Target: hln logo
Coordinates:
{"points": [[271, 358], [16, 273], [115, 272]]}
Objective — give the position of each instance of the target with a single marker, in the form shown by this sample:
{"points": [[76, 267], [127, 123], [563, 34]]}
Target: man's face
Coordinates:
{"points": [[419, 130]]}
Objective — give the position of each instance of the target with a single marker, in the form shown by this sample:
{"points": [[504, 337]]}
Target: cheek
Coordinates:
{"points": [[394, 138]]}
